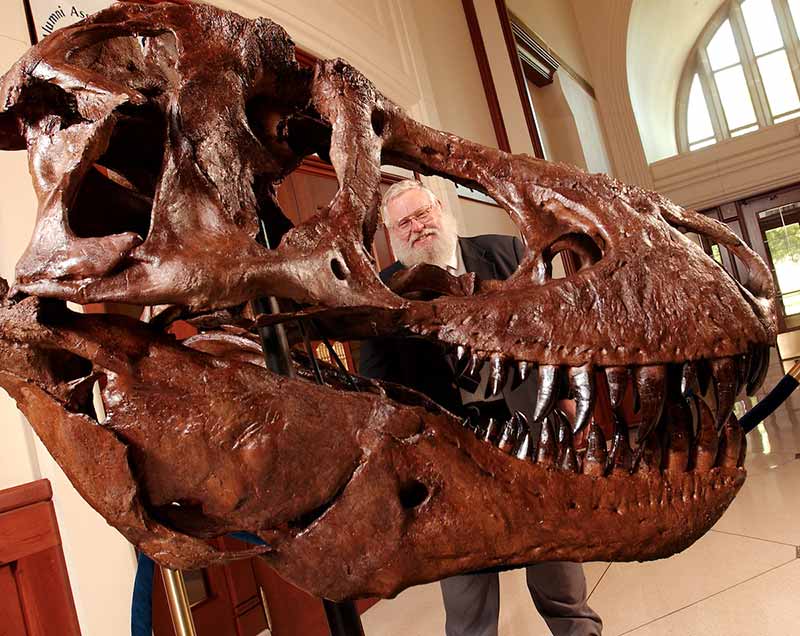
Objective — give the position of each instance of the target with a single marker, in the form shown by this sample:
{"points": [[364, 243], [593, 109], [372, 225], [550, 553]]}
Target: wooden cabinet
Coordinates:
{"points": [[35, 594]]}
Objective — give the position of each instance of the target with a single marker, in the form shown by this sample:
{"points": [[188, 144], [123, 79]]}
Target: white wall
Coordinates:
{"points": [[455, 82], [556, 123], [570, 125], [587, 120], [554, 21], [659, 38]]}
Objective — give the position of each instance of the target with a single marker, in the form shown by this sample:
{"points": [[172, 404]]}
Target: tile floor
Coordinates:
{"points": [[740, 579]]}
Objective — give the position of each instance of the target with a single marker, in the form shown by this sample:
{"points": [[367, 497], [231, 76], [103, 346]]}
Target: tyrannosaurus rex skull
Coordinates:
{"points": [[156, 137]]}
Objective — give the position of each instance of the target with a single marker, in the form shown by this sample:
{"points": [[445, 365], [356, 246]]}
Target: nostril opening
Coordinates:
{"points": [[378, 121], [338, 269], [412, 494]]}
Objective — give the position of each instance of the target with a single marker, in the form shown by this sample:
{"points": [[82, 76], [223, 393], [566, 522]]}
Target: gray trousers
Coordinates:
{"points": [[558, 589]]}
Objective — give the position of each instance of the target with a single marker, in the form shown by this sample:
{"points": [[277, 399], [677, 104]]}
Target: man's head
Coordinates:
{"points": [[420, 229]]}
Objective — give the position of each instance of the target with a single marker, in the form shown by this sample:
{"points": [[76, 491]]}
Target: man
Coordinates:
{"points": [[421, 231]]}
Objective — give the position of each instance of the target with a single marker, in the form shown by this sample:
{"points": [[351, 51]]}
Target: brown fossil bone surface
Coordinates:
{"points": [[156, 137]]}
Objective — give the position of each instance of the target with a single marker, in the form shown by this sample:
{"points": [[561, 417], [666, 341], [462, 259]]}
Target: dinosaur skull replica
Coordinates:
{"points": [[157, 135]]}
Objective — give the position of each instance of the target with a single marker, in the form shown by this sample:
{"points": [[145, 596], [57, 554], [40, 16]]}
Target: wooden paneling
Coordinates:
{"points": [[46, 602], [11, 619], [25, 495], [26, 531], [35, 595]]}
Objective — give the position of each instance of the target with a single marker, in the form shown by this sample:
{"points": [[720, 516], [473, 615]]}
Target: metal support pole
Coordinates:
{"points": [[178, 600], [343, 618]]}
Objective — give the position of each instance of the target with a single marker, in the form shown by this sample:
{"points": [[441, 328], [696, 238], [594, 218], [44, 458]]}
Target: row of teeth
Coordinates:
{"points": [[650, 384], [686, 440]]}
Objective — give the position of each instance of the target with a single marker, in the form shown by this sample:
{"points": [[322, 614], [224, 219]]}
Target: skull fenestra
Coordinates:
{"points": [[157, 135]]}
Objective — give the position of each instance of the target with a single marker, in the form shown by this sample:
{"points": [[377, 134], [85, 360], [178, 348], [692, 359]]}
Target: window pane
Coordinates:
{"points": [[762, 25], [744, 131], [702, 144], [735, 97], [778, 82], [698, 122], [722, 49], [796, 113], [783, 244], [794, 7]]}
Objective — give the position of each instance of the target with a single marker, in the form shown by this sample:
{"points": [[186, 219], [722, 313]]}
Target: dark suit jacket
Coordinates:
{"points": [[421, 364]]}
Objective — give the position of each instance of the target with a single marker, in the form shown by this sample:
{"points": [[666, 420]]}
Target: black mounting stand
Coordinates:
{"points": [[343, 618], [779, 394]]}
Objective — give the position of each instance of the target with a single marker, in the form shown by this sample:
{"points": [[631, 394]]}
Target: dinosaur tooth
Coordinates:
{"points": [[703, 369], [617, 378], [594, 464], [581, 380], [689, 383], [470, 377], [621, 458], [523, 372], [704, 450], [679, 437], [508, 436], [547, 452], [570, 461], [563, 434], [475, 365], [490, 433], [497, 375], [753, 365], [522, 450], [730, 443], [650, 455], [549, 378], [462, 359], [742, 367], [651, 384], [724, 376], [758, 369]]}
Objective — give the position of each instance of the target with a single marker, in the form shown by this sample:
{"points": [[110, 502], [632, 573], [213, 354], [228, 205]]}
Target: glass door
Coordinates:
{"points": [[780, 228]]}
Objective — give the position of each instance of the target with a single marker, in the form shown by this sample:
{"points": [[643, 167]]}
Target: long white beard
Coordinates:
{"points": [[438, 252]]}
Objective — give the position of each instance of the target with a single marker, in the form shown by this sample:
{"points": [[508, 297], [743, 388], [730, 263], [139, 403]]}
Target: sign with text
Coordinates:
{"points": [[50, 15]]}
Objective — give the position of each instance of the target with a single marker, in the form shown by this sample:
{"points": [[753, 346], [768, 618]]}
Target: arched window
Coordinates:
{"points": [[743, 73]]}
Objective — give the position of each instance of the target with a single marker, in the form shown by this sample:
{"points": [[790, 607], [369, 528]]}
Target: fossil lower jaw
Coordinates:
{"points": [[400, 493]]}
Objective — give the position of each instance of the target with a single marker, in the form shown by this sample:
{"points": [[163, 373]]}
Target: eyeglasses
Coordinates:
{"points": [[422, 216]]}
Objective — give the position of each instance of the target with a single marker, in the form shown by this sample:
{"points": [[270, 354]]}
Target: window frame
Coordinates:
{"points": [[697, 62]]}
